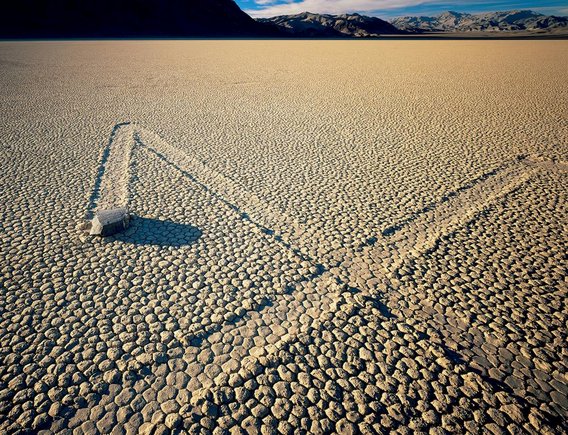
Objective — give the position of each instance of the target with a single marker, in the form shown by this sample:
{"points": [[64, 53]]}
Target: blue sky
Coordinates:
{"points": [[394, 8]]}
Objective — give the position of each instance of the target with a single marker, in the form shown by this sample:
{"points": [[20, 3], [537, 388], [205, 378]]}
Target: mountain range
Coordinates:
{"points": [[356, 26], [508, 21], [223, 18]]}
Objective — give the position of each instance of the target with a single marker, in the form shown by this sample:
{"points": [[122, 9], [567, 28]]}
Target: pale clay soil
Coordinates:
{"points": [[351, 237]]}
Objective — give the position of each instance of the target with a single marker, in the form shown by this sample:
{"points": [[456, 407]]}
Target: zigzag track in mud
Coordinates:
{"points": [[115, 167], [323, 290]]}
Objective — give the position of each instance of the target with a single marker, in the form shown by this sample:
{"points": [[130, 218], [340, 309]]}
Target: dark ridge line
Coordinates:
{"points": [[392, 230], [95, 193]]}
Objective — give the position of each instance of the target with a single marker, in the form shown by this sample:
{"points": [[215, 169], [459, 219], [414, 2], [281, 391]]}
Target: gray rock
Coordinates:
{"points": [[109, 222]]}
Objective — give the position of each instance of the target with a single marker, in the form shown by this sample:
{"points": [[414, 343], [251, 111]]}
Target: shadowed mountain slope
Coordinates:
{"points": [[127, 18], [307, 24]]}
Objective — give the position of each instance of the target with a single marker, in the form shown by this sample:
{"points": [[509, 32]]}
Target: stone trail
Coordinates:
{"points": [[110, 189], [284, 317]]}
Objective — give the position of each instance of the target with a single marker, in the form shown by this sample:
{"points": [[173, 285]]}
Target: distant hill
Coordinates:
{"points": [[310, 25], [507, 21], [127, 18]]}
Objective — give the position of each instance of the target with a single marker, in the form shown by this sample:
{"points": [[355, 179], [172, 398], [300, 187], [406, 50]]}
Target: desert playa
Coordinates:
{"points": [[326, 236]]}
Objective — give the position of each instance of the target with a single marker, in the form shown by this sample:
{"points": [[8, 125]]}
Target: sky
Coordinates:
{"points": [[396, 8]]}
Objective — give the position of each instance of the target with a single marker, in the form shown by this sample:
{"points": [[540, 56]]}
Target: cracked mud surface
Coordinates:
{"points": [[355, 237]]}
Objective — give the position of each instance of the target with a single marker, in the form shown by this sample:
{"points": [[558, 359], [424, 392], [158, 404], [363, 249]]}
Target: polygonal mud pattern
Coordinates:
{"points": [[374, 259]]}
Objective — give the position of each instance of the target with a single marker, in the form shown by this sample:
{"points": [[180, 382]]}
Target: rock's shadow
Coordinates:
{"points": [[156, 232]]}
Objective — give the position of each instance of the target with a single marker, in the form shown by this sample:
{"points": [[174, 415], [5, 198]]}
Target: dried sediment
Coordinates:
{"points": [[376, 258]]}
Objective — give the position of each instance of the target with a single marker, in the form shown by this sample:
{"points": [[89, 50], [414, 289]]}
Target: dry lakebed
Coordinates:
{"points": [[325, 237]]}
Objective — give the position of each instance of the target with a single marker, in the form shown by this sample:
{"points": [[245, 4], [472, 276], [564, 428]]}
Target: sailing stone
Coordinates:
{"points": [[109, 222]]}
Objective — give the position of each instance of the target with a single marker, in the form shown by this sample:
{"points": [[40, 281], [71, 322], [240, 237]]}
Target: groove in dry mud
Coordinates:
{"points": [[95, 195], [409, 238]]}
